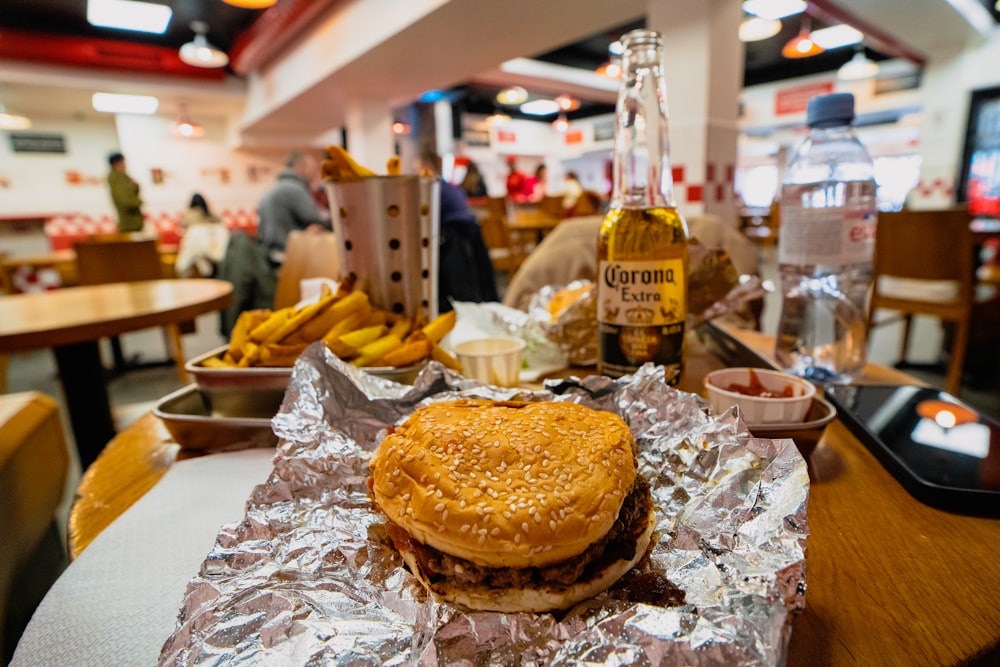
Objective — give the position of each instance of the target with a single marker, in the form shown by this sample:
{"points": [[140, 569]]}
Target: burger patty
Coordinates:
{"points": [[618, 543]]}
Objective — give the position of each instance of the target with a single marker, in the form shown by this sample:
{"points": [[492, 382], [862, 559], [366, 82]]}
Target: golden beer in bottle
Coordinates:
{"points": [[642, 253]]}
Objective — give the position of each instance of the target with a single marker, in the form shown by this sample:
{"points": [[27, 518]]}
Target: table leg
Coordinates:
{"points": [[82, 377]]}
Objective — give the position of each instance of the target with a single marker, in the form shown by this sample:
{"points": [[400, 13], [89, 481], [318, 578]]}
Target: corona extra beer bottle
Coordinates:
{"points": [[642, 253]]}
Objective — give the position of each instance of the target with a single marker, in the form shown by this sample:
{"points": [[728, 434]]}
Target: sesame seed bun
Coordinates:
{"points": [[506, 484]]}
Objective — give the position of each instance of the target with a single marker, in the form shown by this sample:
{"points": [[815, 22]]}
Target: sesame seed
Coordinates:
{"points": [[439, 507]]}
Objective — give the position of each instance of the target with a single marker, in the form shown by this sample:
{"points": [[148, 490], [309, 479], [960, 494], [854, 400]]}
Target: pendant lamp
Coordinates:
{"points": [[250, 4], [857, 68], [802, 46], [199, 53]]}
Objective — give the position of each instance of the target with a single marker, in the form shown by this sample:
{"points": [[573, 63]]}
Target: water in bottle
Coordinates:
{"points": [[826, 245]]}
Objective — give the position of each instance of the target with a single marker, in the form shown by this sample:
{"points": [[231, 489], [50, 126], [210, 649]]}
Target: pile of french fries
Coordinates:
{"points": [[348, 323]]}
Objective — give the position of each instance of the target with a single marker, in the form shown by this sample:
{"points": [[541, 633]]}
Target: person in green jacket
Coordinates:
{"points": [[125, 195]]}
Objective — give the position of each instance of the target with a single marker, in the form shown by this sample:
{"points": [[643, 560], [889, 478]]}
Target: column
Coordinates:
{"points": [[704, 74], [369, 132]]}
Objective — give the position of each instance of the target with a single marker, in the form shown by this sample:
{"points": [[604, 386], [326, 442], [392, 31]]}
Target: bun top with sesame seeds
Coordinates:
{"points": [[504, 483]]}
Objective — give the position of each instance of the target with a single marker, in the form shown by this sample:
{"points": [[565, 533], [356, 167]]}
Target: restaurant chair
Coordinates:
{"points": [[114, 260], [34, 463], [507, 248], [6, 287], [307, 255], [925, 265]]}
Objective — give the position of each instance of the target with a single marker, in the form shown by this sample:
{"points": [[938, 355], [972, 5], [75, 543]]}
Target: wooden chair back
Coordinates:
{"points": [[927, 246], [507, 249], [307, 255], [117, 260], [34, 463], [124, 259]]}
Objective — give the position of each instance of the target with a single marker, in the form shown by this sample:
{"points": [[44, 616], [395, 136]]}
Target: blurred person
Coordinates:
{"points": [[572, 191], [203, 245], [198, 212], [536, 186], [516, 181], [290, 205], [465, 271], [125, 195], [473, 183]]}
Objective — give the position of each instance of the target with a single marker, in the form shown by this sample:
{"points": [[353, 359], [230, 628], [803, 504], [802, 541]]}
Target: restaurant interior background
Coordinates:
{"points": [[308, 73]]}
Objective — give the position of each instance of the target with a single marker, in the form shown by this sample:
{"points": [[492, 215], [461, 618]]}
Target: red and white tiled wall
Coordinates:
{"points": [[65, 230]]}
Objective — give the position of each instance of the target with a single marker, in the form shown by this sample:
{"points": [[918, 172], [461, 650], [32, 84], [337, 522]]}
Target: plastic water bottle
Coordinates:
{"points": [[825, 246]]}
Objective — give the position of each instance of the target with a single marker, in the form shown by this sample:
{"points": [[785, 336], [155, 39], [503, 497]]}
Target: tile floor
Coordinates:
{"points": [[134, 393]]}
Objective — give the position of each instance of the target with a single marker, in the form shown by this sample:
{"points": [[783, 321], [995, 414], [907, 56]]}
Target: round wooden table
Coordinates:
{"points": [[891, 581], [71, 320]]}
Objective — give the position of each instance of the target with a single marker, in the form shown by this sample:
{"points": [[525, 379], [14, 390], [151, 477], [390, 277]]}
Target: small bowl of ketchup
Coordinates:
{"points": [[764, 396]]}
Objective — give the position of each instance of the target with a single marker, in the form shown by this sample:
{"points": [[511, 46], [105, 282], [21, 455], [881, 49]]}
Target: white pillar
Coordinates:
{"points": [[369, 132], [704, 73]]}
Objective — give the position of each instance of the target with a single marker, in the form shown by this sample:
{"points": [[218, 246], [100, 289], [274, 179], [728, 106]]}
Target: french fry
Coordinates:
{"points": [[379, 347], [439, 327], [442, 356], [265, 329], [401, 327], [245, 322], [250, 356], [342, 167], [274, 354], [406, 354], [350, 323], [297, 319], [361, 337], [338, 311], [216, 362], [393, 166], [376, 316]]}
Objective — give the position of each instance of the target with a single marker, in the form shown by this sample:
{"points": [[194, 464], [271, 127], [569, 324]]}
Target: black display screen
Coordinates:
{"points": [[942, 450]]}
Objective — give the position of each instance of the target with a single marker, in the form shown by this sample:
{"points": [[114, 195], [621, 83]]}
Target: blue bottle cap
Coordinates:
{"points": [[830, 110]]}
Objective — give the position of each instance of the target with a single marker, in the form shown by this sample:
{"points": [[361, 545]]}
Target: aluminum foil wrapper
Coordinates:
{"points": [[309, 577], [715, 290]]}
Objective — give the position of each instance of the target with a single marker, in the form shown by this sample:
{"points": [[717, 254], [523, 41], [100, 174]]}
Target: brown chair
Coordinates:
{"points": [[307, 255], [507, 248], [122, 258], [925, 265], [34, 462], [6, 287]]}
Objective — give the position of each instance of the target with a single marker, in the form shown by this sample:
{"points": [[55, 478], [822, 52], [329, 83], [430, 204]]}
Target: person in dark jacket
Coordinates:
{"points": [[465, 271], [124, 195], [289, 205]]}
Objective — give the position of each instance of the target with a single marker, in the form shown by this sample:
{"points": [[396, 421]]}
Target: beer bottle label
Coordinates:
{"points": [[640, 311]]}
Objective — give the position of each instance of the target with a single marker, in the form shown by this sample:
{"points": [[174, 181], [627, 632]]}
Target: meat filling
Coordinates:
{"points": [[618, 544]]}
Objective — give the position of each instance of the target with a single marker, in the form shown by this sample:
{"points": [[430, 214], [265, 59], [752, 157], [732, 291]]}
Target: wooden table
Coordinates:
{"points": [[890, 581], [71, 320], [64, 261]]}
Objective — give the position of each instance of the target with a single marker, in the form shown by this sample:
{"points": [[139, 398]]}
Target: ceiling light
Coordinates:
{"points": [[512, 95], [837, 36], [250, 4], [10, 120], [857, 68], [802, 46], [129, 15], [187, 128], [114, 103], [497, 118], [540, 107], [199, 53], [400, 127], [774, 9], [567, 103], [610, 69], [616, 48], [560, 124], [755, 28]]}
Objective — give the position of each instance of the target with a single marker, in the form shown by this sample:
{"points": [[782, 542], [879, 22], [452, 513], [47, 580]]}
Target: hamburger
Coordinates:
{"points": [[513, 506]]}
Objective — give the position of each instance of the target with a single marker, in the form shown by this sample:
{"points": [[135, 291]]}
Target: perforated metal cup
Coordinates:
{"points": [[388, 233]]}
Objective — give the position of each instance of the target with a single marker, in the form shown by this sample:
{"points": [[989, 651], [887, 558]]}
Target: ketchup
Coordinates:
{"points": [[755, 388]]}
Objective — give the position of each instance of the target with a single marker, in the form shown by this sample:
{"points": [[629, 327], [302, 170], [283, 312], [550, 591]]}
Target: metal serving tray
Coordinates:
{"points": [[187, 418], [258, 391]]}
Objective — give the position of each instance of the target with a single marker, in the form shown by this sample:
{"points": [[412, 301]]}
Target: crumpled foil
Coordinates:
{"points": [[309, 576], [715, 289]]}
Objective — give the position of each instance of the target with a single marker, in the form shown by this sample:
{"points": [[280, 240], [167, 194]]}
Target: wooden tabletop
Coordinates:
{"points": [[75, 314], [890, 581]]}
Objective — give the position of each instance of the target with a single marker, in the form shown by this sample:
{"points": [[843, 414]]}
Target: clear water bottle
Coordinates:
{"points": [[826, 245]]}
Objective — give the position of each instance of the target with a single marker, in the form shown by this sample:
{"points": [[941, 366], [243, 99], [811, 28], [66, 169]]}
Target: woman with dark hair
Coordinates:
{"points": [[198, 212], [203, 244]]}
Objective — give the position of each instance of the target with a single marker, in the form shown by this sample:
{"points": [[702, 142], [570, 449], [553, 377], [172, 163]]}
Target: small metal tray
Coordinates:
{"points": [[258, 391], [188, 419]]}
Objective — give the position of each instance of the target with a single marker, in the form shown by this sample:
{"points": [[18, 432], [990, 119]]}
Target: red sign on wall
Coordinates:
{"points": [[794, 100], [574, 137], [505, 136]]}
